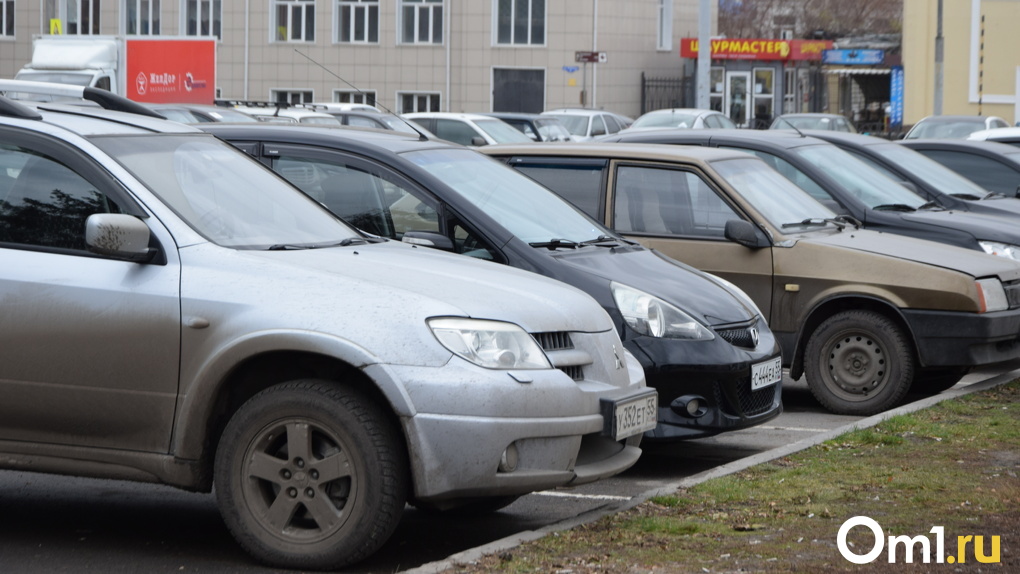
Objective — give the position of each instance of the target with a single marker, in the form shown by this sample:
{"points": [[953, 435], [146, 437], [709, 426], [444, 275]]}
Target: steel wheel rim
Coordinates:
{"points": [[857, 366], [298, 481]]}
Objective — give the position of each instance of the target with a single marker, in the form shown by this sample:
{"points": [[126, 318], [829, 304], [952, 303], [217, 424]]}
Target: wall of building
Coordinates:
{"points": [[250, 66], [965, 90]]}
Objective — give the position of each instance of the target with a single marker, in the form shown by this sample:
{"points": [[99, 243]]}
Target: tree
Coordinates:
{"points": [[808, 18]]}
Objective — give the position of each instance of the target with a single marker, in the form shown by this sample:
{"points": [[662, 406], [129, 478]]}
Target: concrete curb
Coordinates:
{"points": [[509, 542]]}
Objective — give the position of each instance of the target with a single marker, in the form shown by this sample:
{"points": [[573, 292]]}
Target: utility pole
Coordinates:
{"points": [[705, 53], [939, 57]]}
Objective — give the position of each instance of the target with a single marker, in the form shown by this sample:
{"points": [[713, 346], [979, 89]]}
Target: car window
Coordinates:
{"points": [[869, 186], [612, 125], [598, 127], [791, 173], [44, 203], [668, 202], [984, 171], [455, 131], [362, 122], [581, 185], [501, 131], [772, 195], [525, 128]]}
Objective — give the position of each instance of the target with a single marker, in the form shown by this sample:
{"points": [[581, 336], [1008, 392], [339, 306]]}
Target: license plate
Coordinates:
{"points": [[768, 373], [628, 417]]}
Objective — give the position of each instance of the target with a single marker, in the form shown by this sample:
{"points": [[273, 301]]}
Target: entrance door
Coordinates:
{"points": [[738, 107], [518, 90]]}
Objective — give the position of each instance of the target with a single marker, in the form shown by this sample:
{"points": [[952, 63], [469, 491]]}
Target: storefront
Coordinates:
{"points": [[752, 80]]}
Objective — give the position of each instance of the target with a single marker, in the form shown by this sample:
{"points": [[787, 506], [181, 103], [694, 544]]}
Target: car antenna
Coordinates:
{"points": [[421, 134], [795, 128]]}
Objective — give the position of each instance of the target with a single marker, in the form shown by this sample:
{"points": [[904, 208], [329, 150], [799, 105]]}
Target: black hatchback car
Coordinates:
{"points": [[702, 342], [850, 187], [995, 166]]}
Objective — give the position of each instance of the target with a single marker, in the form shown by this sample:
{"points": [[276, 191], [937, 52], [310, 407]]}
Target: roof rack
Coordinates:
{"points": [[106, 100]]}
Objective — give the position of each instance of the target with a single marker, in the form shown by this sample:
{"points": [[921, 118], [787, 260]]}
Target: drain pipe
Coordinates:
{"points": [[247, 31], [595, 48], [449, 40]]}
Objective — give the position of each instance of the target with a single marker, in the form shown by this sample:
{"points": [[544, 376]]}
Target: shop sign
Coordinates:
{"points": [[758, 49], [853, 57]]}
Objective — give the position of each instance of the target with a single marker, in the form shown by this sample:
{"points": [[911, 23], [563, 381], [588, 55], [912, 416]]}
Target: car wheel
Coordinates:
{"points": [[858, 363], [934, 381], [310, 475]]}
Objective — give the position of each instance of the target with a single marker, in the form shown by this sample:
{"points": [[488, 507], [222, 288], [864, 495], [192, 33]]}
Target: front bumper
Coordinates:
{"points": [[717, 372], [950, 339], [465, 419]]}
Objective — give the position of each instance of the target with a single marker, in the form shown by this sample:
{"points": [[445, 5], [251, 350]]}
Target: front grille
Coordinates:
{"points": [[740, 336], [751, 403], [560, 341], [554, 341], [1012, 294]]}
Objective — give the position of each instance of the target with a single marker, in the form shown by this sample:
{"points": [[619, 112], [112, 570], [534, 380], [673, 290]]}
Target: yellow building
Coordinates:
{"points": [[981, 62]]}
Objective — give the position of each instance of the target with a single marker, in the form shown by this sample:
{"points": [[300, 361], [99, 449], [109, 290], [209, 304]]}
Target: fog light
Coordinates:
{"points": [[691, 406], [508, 461]]}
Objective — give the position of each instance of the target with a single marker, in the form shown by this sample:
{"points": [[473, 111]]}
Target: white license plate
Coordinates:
{"points": [[632, 416], [767, 373]]}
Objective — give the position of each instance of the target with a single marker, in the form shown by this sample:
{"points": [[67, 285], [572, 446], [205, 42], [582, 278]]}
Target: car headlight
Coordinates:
{"points": [[991, 295], [489, 344], [652, 316], [738, 293], [1001, 249]]}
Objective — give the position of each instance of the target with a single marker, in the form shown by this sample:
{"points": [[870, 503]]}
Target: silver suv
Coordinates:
{"points": [[162, 323]]}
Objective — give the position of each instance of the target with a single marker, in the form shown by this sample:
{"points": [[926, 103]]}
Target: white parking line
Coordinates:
{"points": [[798, 429], [585, 496]]}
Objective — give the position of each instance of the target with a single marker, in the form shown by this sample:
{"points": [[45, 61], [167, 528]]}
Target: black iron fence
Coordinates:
{"points": [[661, 93]]}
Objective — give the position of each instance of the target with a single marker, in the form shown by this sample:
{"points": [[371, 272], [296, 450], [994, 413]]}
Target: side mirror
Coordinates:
{"points": [[119, 236], [478, 141], [744, 233], [1017, 191], [428, 239]]}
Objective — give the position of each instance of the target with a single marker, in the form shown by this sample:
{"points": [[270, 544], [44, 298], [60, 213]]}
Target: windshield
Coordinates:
{"points": [[932, 173], [872, 187], [501, 131], [775, 197], [958, 129], [397, 124], [529, 211], [667, 119], [577, 125], [224, 195]]}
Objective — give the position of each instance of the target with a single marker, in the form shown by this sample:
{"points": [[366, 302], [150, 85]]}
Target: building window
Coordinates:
{"points": [[72, 17], [520, 22], [351, 97], [7, 18], [141, 18], [418, 102], [421, 21], [715, 98], [294, 20], [665, 31], [203, 18], [358, 21], [292, 96]]}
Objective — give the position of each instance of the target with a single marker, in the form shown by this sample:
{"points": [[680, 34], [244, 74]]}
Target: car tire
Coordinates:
{"points": [[333, 501], [934, 381], [858, 363]]}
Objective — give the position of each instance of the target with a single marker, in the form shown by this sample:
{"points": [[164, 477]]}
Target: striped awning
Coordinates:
{"points": [[856, 71]]}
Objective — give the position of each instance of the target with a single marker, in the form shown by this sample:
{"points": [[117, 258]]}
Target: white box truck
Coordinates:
{"points": [[145, 68]]}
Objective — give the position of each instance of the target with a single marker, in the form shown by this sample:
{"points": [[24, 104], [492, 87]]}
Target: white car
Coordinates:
{"points": [[684, 118], [958, 126], [1004, 135], [176, 313], [281, 112], [585, 124], [472, 130]]}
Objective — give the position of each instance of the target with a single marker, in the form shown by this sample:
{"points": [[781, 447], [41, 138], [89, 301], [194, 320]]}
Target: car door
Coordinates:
{"points": [[89, 345], [677, 211]]}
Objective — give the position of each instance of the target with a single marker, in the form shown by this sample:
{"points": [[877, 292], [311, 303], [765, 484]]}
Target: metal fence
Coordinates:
{"points": [[661, 93]]}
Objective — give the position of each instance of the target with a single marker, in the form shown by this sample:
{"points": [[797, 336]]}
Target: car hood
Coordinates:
{"points": [[928, 252], [983, 226], [693, 291]]}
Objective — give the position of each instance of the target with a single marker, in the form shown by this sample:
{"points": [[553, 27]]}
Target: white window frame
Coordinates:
{"points": [[664, 32], [429, 97], [82, 7], [359, 10], [420, 7], [146, 12], [214, 8], [7, 22], [299, 7], [513, 23], [304, 95], [355, 97]]}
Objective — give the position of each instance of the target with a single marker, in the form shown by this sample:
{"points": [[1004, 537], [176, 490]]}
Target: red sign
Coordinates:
{"points": [[758, 49], [171, 71]]}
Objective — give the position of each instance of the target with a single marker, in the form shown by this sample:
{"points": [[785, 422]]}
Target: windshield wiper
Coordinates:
{"points": [[342, 243], [815, 222], [931, 205], [894, 207], [603, 241], [556, 243]]}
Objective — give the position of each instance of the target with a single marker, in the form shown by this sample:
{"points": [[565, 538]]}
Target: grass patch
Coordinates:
{"points": [[954, 465]]}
